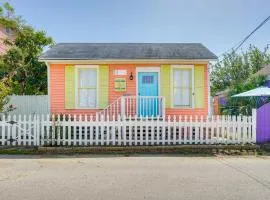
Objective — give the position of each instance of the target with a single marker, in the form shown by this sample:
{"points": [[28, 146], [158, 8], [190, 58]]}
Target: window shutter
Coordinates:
{"points": [[69, 87], [103, 86], [165, 81], [199, 86]]}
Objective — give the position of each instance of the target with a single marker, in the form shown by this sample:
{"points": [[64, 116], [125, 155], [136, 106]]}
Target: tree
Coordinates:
{"points": [[4, 92], [236, 68], [20, 63], [236, 74]]}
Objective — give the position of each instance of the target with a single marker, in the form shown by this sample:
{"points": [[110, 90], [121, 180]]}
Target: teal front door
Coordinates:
{"points": [[148, 102]]}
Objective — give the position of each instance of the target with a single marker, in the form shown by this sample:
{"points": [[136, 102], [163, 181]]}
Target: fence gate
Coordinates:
{"points": [[19, 130], [263, 124]]}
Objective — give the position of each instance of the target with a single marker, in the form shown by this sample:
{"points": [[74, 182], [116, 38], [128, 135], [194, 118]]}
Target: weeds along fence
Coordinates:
{"points": [[79, 130]]}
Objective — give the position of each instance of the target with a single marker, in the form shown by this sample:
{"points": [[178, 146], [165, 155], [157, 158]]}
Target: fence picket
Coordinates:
{"points": [[180, 129], [254, 124], [244, 129], [8, 129], [158, 131], [129, 139], [124, 132], [24, 130], [135, 131], [163, 131], [79, 124], [211, 135], [31, 130], [196, 127], [119, 133], [218, 124], [108, 131], [239, 129], [190, 130], [3, 128], [91, 130], [201, 131], [185, 130], [141, 131], [37, 130], [234, 128], [229, 129], [152, 122], [169, 131], [174, 129], [249, 128], [113, 130], [13, 130], [75, 130]]}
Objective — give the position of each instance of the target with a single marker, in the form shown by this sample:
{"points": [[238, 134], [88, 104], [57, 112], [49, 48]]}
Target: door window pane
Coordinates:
{"points": [[148, 79]]}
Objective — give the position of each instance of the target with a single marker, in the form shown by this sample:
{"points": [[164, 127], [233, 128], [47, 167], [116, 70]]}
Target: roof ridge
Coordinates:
{"points": [[129, 43]]}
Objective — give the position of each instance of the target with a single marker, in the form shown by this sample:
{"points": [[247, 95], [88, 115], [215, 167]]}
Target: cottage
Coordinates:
{"points": [[133, 79]]}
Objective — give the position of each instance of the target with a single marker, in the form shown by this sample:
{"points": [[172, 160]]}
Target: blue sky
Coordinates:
{"points": [[218, 24]]}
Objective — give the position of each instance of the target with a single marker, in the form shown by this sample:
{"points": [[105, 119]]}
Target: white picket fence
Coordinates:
{"points": [[82, 130]]}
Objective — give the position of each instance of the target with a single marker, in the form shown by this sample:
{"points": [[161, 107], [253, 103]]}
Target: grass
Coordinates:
{"points": [[183, 150]]}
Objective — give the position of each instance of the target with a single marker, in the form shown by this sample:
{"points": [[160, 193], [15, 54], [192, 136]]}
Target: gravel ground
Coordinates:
{"points": [[135, 177]]}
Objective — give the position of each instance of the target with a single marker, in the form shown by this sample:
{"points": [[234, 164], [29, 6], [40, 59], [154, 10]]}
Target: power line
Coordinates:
{"points": [[248, 36], [239, 44]]}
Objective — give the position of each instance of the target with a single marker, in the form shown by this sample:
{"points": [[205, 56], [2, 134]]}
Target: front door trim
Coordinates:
{"points": [[147, 69]]}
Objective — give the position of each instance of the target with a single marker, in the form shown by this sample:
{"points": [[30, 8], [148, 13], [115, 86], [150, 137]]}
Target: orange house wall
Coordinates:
{"points": [[57, 90]]}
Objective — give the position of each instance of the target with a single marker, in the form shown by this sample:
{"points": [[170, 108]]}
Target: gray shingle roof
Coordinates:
{"points": [[100, 51]]}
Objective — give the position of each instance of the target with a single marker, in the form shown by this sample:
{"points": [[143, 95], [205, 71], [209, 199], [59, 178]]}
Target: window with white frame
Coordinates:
{"points": [[182, 87], [87, 87]]}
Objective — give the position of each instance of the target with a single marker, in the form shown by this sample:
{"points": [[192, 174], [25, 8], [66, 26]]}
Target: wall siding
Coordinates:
{"points": [[57, 77]]}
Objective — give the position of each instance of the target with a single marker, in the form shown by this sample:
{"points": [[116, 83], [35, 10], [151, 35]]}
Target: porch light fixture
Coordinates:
{"points": [[131, 76]]}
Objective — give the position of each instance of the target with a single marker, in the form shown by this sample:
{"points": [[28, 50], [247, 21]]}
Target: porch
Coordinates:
{"points": [[135, 107]]}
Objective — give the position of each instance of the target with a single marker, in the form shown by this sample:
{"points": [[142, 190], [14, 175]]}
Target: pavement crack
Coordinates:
{"points": [[256, 179]]}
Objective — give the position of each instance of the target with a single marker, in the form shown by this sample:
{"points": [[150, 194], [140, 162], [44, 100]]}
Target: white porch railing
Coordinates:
{"points": [[136, 106]]}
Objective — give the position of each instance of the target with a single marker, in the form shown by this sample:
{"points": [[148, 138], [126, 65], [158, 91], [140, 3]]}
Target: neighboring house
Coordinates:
{"points": [[5, 33], [219, 101], [265, 71], [146, 79]]}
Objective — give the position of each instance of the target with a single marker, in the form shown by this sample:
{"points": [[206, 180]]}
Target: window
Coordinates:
{"points": [[148, 79], [182, 87], [87, 87]]}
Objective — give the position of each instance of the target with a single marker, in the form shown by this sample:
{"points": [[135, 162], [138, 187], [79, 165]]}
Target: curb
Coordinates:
{"points": [[177, 149], [183, 149]]}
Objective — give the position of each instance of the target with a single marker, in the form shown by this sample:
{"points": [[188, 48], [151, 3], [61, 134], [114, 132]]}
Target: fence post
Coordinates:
{"points": [[37, 117], [254, 125]]}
